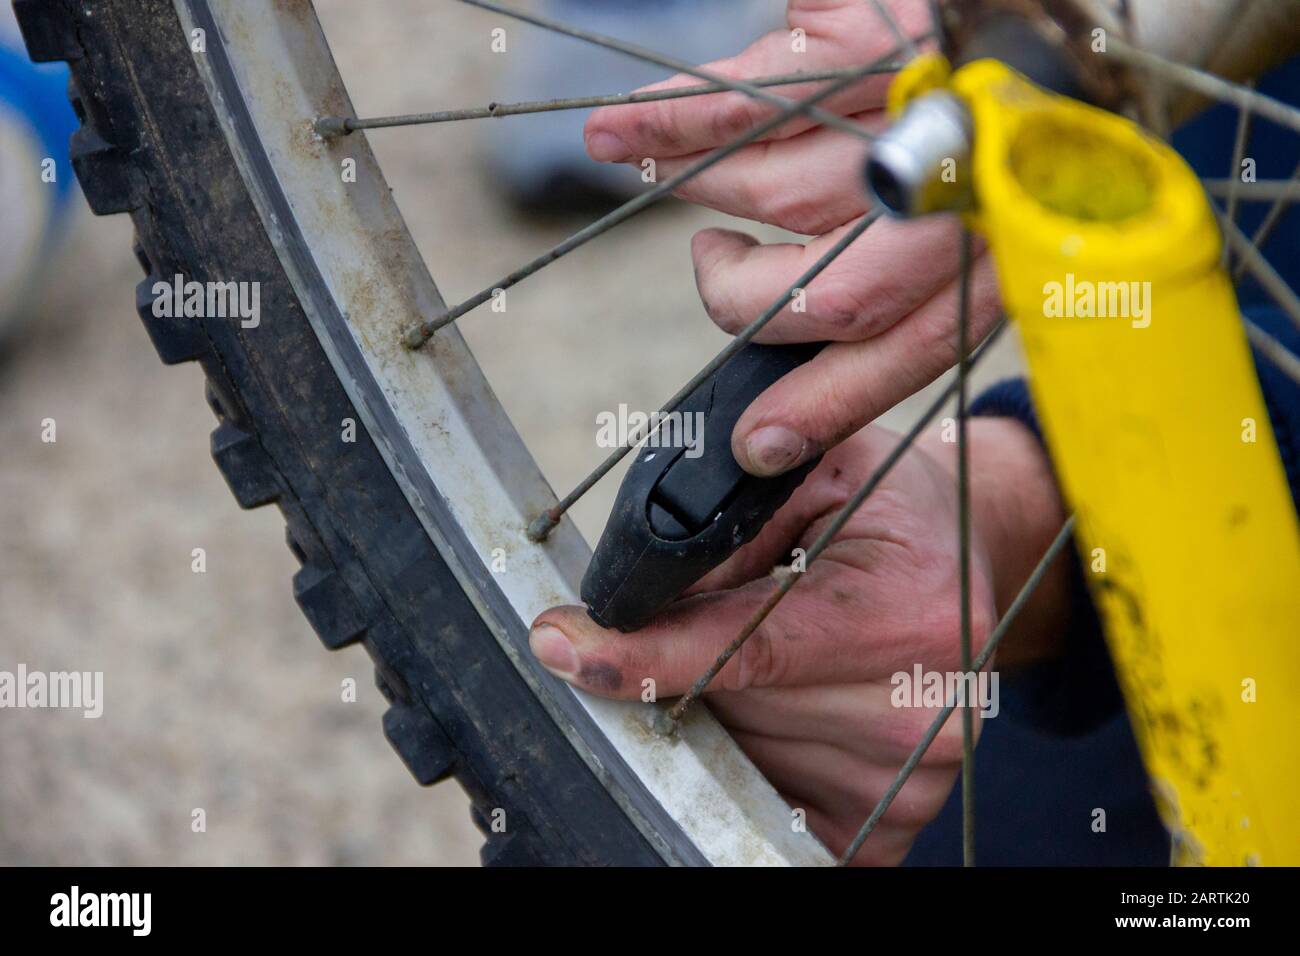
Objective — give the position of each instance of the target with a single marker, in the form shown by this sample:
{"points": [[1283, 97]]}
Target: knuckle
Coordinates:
{"points": [[892, 295], [757, 192], [780, 198], [758, 662], [734, 114], [938, 333], [840, 306], [658, 122], [792, 208], [839, 409]]}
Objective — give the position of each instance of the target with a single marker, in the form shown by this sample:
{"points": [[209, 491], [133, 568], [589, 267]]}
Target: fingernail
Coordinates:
{"points": [[554, 651], [774, 449], [605, 147]]}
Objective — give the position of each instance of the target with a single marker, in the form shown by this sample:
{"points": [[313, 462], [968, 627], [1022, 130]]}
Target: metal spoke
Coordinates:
{"points": [[963, 538], [883, 12], [681, 66], [1234, 181], [1277, 191], [342, 125], [1270, 222], [417, 335], [914, 759], [786, 579], [1274, 351], [1207, 84], [542, 525], [1261, 269]]}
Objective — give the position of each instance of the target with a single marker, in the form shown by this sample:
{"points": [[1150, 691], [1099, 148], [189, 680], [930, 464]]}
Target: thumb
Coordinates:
{"points": [[670, 653], [798, 643]]}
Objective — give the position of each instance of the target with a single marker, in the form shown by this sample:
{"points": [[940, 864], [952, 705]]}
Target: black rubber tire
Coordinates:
{"points": [[150, 145]]}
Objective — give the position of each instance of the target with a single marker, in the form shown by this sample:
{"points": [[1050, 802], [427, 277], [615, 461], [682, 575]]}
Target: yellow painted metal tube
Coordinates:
{"points": [[1107, 257]]}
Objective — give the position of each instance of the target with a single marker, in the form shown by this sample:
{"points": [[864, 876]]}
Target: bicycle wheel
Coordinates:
{"points": [[395, 530], [207, 112]]}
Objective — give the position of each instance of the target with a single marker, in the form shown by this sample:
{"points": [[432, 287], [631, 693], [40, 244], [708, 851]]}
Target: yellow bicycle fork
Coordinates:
{"points": [[1108, 258]]}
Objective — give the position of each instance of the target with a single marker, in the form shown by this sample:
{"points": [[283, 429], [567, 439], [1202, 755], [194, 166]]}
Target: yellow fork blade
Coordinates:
{"points": [[1107, 256]]}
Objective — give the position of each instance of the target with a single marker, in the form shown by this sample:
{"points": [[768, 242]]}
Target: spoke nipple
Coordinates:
{"points": [[329, 126], [665, 724], [539, 529], [415, 337]]}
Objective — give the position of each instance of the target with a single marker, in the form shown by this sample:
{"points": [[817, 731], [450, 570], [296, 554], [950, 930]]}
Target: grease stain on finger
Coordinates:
{"points": [[600, 677]]}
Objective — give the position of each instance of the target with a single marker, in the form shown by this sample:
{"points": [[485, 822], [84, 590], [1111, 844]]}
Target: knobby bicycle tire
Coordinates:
{"points": [[150, 145]]}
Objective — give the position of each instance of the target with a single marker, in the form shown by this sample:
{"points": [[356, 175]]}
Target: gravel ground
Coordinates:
{"points": [[217, 694]]}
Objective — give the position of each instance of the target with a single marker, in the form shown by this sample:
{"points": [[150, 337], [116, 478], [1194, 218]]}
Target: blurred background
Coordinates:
{"points": [[217, 693]]}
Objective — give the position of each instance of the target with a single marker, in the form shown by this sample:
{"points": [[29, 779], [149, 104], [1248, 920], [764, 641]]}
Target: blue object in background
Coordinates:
{"points": [[37, 198], [37, 92]]}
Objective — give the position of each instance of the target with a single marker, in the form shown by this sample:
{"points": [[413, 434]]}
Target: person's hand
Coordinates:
{"points": [[808, 697], [888, 303]]}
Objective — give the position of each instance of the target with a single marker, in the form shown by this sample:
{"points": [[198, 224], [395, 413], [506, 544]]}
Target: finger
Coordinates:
{"points": [[886, 273], [859, 717], [808, 184], [845, 786], [817, 633], [851, 383], [821, 773], [678, 127], [833, 36], [888, 845]]}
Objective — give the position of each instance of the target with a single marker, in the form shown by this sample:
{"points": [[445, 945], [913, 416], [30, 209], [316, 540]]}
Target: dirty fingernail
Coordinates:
{"points": [[555, 652], [607, 148], [774, 449]]}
